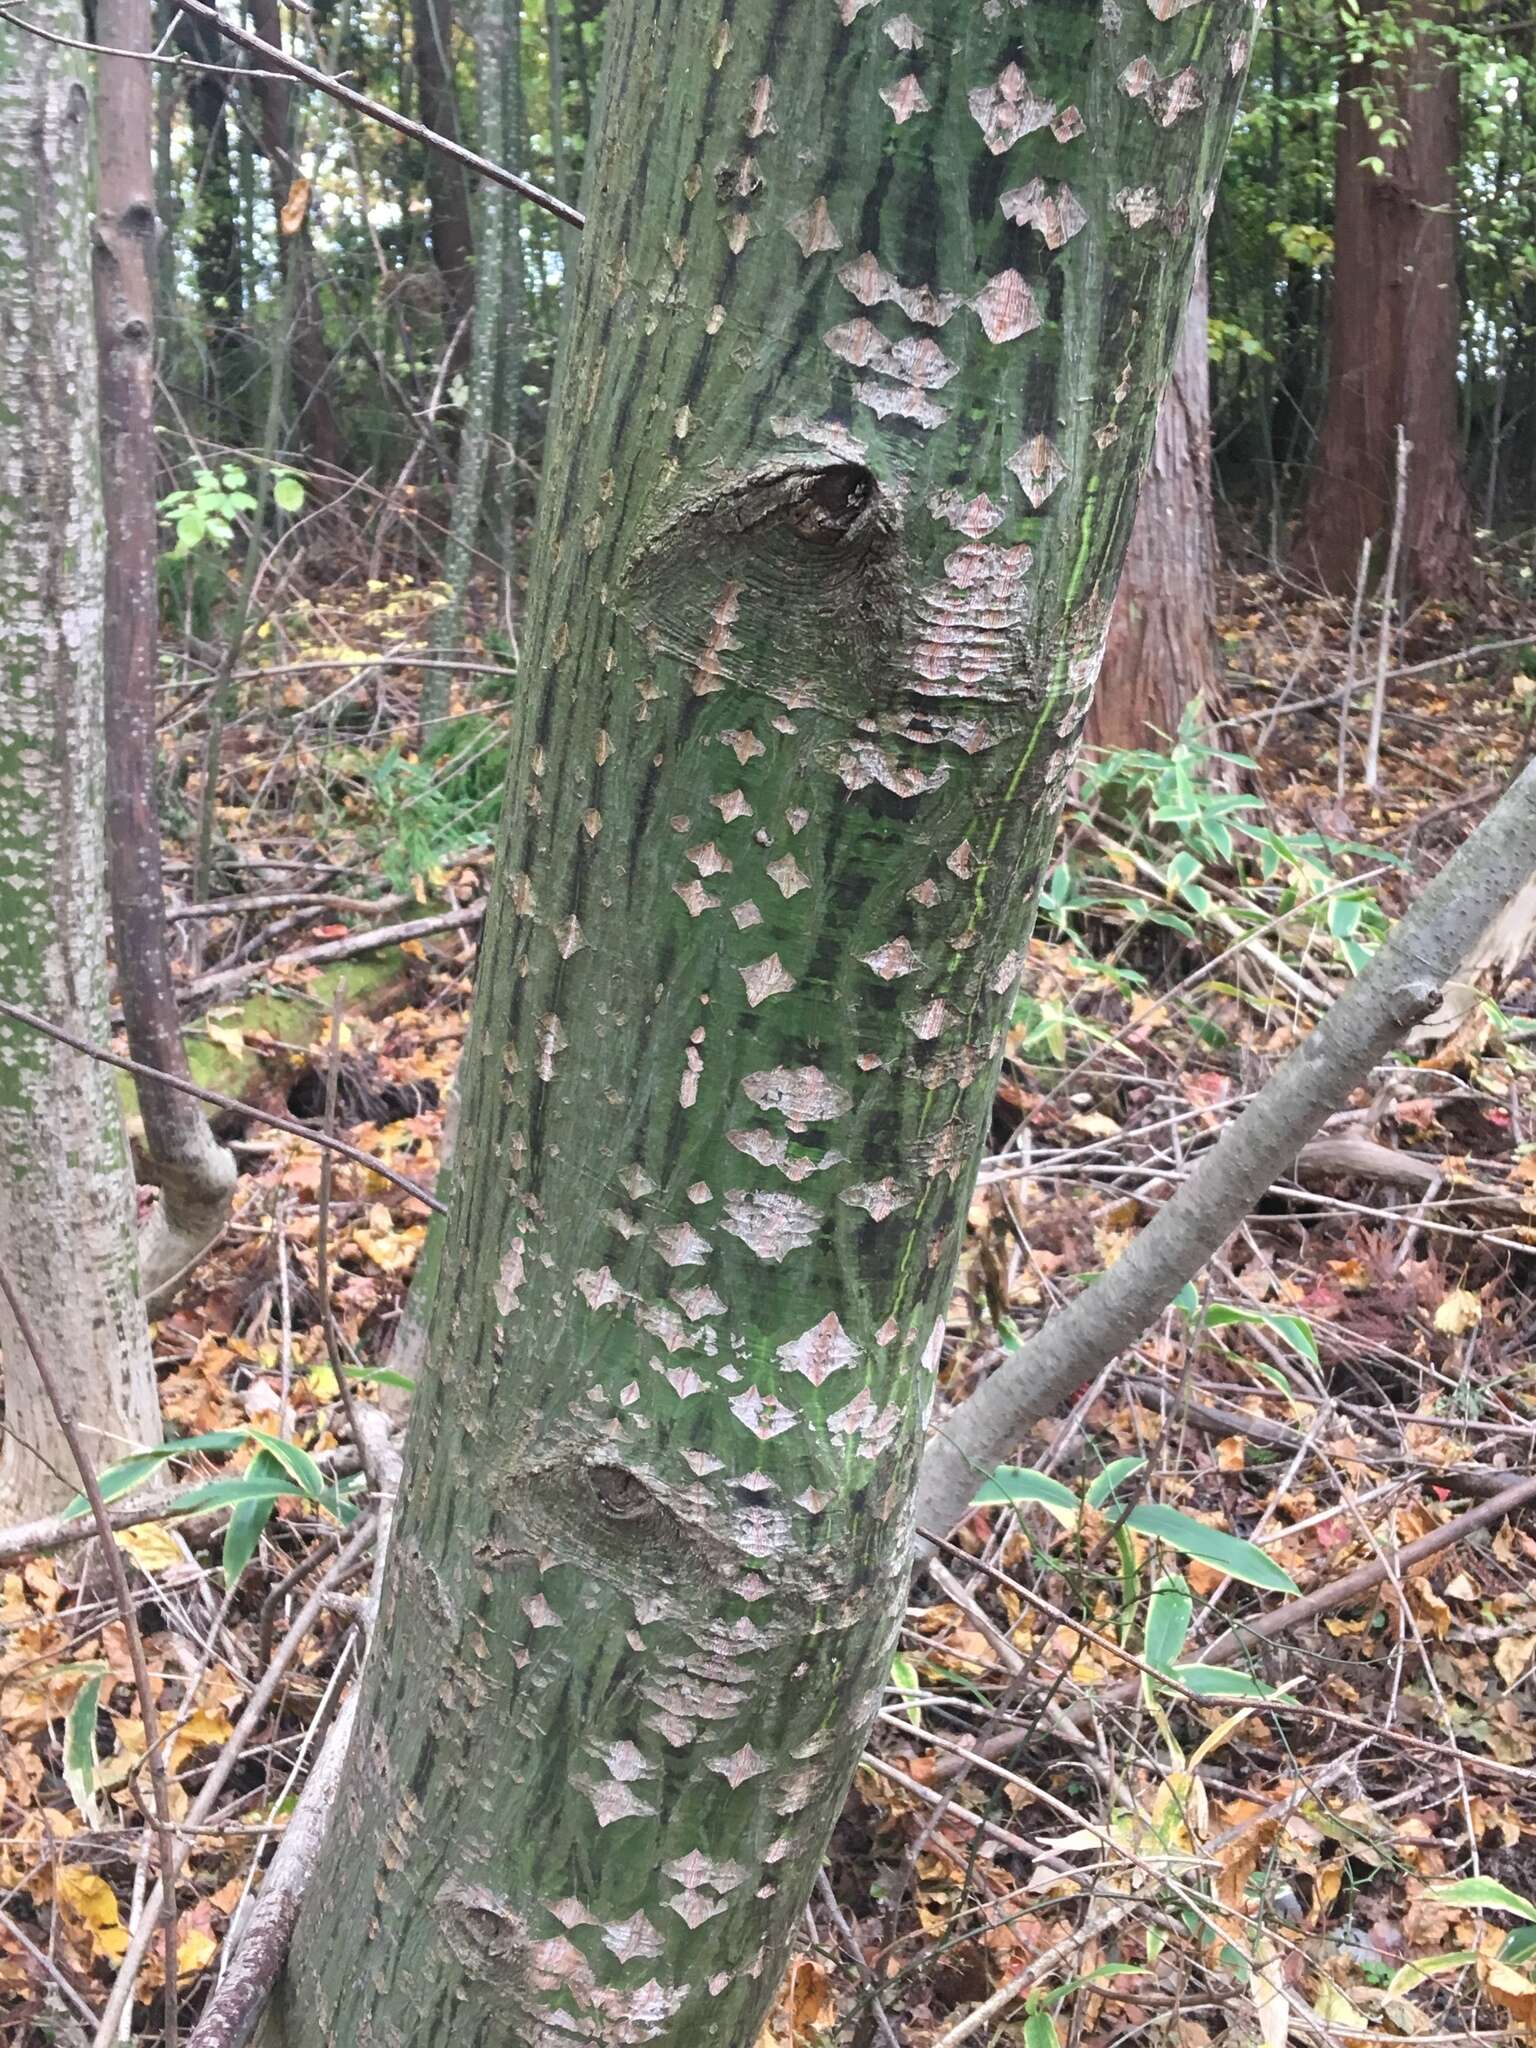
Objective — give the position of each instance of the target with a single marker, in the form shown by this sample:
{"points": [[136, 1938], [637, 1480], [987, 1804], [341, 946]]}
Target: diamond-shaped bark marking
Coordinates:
{"points": [[857, 342], [683, 1381], [632, 1937], [708, 859], [1039, 468], [665, 1324], [1006, 973], [761, 1531], [681, 1245], [638, 2016], [820, 1351], [732, 804], [745, 915], [539, 1612], [917, 360], [703, 1462], [801, 1095], [879, 1198], [813, 229], [1008, 108], [1138, 77], [1139, 204], [847, 10], [904, 32], [552, 1041], [902, 402], [744, 744], [933, 1350], [698, 1302], [764, 1414], [569, 938], [599, 1287], [906, 98], [797, 818], [696, 1907], [572, 1913], [626, 1763], [813, 1500], [788, 876], [1068, 125], [858, 1414], [1163, 10], [962, 861], [1057, 216], [765, 978], [975, 517], [736, 1769], [892, 960], [1006, 307], [925, 893], [695, 897], [760, 119]]}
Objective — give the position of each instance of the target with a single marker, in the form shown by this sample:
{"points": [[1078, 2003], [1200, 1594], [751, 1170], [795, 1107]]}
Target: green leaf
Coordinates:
{"points": [[1041, 2031], [1219, 1682], [1169, 1611], [288, 493], [80, 1745], [1481, 1891], [1019, 1486], [126, 1474], [1187, 1300], [1519, 1945], [906, 1681], [1229, 1554], [250, 1518], [226, 1493], [1114, 1475], [1413, 1974], [299, 1465], [1293, 1331]]}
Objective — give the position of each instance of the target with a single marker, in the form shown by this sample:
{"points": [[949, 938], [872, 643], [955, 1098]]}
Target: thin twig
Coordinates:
{"points": [[1351, 667], [1371, 772], [333, 1355], [372, 941], [375, 110], [269, 1117], [122, 1593]]}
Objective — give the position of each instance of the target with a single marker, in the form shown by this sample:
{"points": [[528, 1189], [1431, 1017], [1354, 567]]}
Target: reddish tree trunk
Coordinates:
{"points": [[1394, 329], [1160, 656]]}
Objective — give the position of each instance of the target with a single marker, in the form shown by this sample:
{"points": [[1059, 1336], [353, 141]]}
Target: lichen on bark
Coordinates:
{"points": [[864, 354]]}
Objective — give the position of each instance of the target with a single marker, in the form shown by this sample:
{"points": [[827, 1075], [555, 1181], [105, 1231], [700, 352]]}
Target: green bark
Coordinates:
{"points": [[66, 1199], [865, 351]]}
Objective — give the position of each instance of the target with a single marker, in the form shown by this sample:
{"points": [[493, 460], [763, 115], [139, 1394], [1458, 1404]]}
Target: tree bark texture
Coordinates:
{"points": [[865, 350], [66, 1199], [1160, 655], [196, 1174], [1393, 335]]}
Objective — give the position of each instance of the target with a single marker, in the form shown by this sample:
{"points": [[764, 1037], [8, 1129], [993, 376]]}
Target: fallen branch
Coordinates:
{"points": [[220, 1100], [1398, 988], [373, 941]]}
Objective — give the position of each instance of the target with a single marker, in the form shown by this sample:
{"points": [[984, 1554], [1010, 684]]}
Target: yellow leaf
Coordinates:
{"points": [[230, 1036], [195, 1951], [1513, 1656], [91, 1902], [208, 1728], [295, 206], [1459, 1312], [1268, 1993], [151, 1545]]}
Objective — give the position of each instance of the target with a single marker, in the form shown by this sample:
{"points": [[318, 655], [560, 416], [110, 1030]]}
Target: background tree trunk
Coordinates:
{"points": [[1160, 655], [451, 231], [66, 1200], [196, 1174], [1393, 334], [864, 358]]}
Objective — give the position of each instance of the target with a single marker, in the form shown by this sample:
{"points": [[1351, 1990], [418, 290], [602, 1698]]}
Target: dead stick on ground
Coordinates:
{"points": [[234, 2011], [1371, 774], [219, 1100], [117, 1572], [1399, 987], [323, 1242], [255, 1712], [349, 948]]}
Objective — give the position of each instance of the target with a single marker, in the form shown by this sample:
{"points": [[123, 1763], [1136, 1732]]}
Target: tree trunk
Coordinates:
{"points": [[196, 1175], [1160, 656], [863, 360], [450, 231], [309, 359], [498, 220], [1393, 334], [66, 1199], [217, 250]]}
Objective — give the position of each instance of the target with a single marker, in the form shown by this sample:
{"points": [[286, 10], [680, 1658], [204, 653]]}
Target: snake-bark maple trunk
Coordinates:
{"points": [[865, 349], [66, 1200]]}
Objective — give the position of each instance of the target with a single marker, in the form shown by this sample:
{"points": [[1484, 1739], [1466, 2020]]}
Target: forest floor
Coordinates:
{"points": [[1050, 1841]]}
